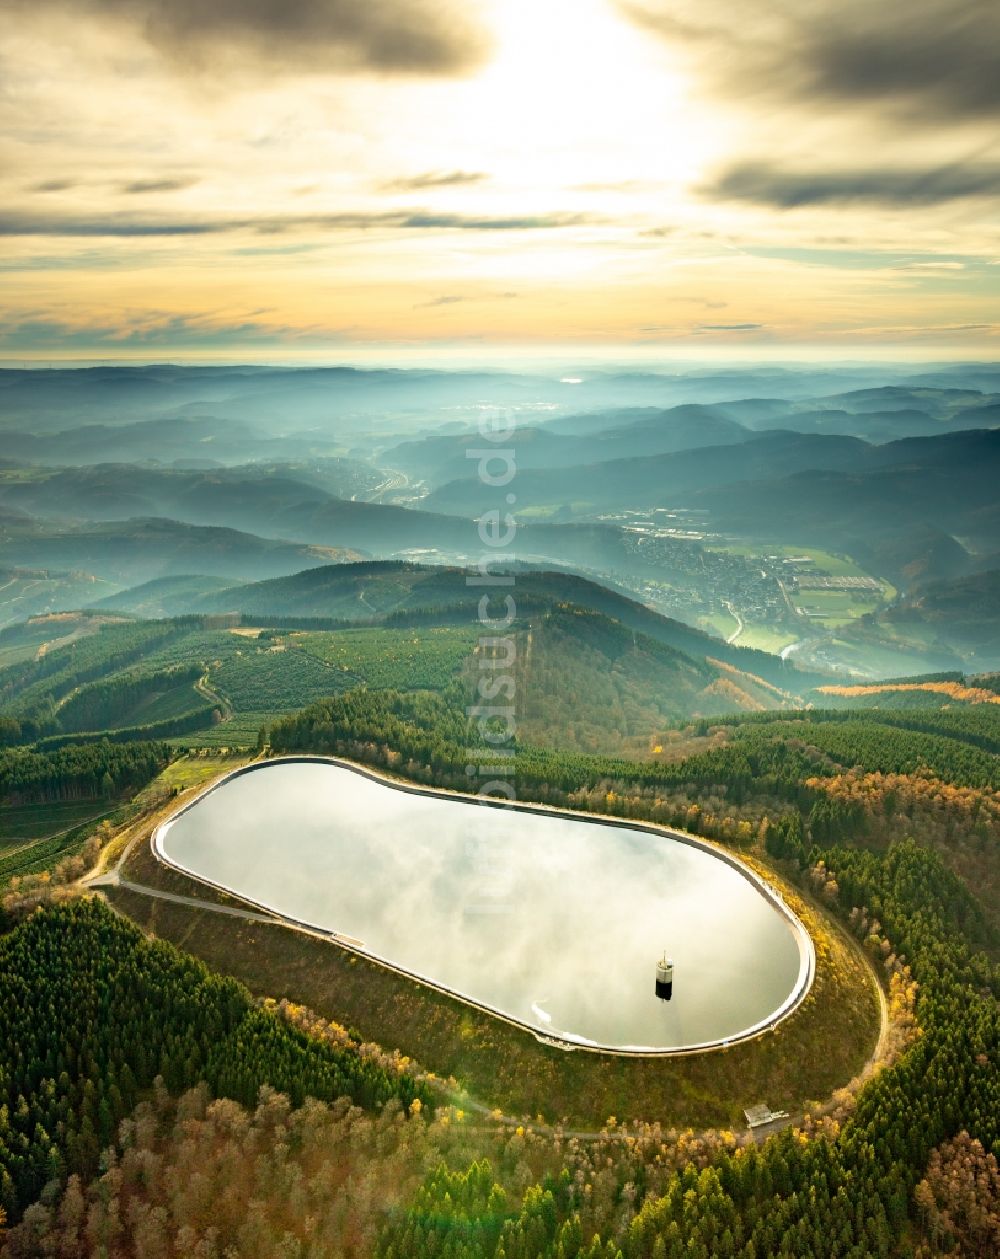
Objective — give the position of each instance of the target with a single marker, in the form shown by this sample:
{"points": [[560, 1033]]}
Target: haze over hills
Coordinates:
{"points": [[857, 497], [767, 457], [945, 484], [658, 489], [190, 442], [129, 551], [279, 506], [290, 496], [347, 404], [638, 481], [588, 439], [28, 592], [952, 623]]}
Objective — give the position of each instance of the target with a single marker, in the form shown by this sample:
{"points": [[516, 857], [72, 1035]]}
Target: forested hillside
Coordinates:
{"points": [[94, 1013], [832, 795], [792, 1196], [224, 675], [588, 683], [423, 593], [80, 770], [106, 681]]}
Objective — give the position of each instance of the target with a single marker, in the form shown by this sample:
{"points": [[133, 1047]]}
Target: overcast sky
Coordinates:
{"points": [[270, 177]]}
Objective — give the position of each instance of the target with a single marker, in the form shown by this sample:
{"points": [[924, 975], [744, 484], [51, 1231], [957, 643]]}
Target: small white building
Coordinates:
{"points": [[758, 1116]]}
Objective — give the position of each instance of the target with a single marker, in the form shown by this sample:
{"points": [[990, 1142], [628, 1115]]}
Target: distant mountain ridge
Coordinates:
{"points": [[128, 552], [698, 490], [283, 507], [576, 440], [659, 480]]}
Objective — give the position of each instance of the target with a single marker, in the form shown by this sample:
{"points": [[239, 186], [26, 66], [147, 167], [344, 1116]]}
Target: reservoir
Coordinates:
{"points": [[554, 921]]}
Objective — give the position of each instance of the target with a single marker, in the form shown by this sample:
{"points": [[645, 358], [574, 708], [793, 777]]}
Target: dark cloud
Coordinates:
{"points": [[923, 330], [515, 223], [139, 186], [114, 225], [439, 301], [53, 185], [152, 328], [767, 184], [435, 179], [14, 224], [401, 36], [933, 59], [729, 327]]}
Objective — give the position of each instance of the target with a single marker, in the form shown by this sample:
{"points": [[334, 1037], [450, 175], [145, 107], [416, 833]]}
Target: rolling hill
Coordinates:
{"points": [[127, 552], [659, 480], [943, 487], [570, 441], [280, 505], [587, 683], [418, 593], [191, 441], [960, 616], [28, 592], [163, 596]]}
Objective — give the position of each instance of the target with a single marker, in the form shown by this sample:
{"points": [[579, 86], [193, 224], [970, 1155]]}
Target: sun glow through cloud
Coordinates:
{"points": [[575, 98], [574, 176]]}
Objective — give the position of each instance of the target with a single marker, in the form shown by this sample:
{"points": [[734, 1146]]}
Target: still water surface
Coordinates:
{"points": [[554, 921]]}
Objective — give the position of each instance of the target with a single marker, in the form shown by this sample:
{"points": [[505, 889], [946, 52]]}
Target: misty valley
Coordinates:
{"points": [[875, 556]]}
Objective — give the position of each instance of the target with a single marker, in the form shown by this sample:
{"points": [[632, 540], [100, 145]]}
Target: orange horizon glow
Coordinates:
{"points": [[578, 182]]}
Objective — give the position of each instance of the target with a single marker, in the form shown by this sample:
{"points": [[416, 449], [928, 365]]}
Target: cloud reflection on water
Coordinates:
{"points": [[516, 910]]}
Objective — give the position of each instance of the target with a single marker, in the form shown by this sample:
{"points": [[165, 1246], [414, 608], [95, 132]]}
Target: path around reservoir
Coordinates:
{"points": [[113, 878]]}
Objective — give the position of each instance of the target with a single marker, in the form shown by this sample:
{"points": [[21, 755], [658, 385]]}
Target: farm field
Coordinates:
{"points": [[764, 638], [191, 771], [872, 658], [820, 611], [833, 608], [722, 624], [825, 562]]}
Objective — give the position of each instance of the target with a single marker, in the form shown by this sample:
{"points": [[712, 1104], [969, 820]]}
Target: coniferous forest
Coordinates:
{"points": [[94, 1014], [105, 1034], [499, 629]]}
